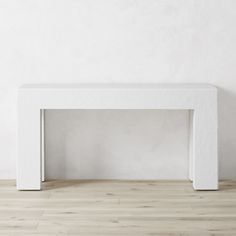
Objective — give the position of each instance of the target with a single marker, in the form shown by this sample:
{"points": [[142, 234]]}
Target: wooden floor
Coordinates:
{"points": [[117, 208]]}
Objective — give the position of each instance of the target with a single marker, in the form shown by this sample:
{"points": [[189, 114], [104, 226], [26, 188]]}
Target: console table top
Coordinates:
{"points": [[118, 86]]}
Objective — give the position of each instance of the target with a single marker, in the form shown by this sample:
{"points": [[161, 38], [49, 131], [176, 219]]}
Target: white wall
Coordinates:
{"points": [[47, 41], [115, 144]]}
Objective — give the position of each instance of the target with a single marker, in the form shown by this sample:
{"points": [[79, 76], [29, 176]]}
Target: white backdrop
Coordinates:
{"points": [[162, 41], [127, 144]]}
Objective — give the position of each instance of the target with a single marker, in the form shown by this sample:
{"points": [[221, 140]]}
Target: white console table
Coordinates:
{"points": [[200, 99]]}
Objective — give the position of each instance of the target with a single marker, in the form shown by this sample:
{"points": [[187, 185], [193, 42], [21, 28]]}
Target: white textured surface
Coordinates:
{"points": [[120, 144], [67, 41], [170, 86]]}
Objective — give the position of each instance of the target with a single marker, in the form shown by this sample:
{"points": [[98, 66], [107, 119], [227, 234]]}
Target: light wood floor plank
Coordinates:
{"points": [[100, 207]]}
